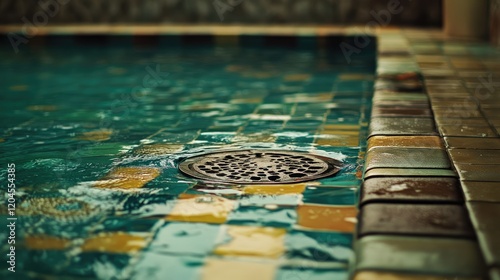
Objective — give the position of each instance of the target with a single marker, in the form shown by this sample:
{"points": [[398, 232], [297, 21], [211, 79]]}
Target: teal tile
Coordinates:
{"points": [[153, 265], [185, 239], [312, 274], [97, 265], [318, 246], [263, 217], [330, 195]]}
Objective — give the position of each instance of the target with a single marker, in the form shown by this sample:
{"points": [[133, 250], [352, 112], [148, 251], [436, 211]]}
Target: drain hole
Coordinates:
{"points": [[273, 178], [297, 175]]}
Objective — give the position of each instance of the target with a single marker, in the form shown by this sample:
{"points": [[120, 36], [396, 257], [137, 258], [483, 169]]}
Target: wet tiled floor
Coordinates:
{"points": [[99, 194], [97, 133]]}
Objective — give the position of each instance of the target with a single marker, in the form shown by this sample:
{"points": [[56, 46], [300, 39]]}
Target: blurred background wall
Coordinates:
{"points": [[414, 13]]}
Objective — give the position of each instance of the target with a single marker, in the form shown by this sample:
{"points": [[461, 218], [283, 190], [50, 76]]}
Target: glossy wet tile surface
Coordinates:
{"points": [[97, 135], [413, 181], [127, 211]]}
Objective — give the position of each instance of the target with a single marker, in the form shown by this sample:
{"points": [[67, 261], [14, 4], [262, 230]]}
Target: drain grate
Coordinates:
{"points": [[259, 167]]}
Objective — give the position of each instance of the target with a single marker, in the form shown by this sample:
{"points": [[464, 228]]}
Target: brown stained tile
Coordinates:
{"points": [[463, 103], [469, 131], [415, 219], [402, 126], [440, 93], [381, 157], [473, 143], [451, 112], [447, 89], [400, 111], [491, 113], [433, 142], [478, 172], [418, 255], [484, 216], [398, 96], [459, 122], [410, 189], [435, 73], [406, 172], [475, 156], [370, 275], [481, 191], [401, 103]]}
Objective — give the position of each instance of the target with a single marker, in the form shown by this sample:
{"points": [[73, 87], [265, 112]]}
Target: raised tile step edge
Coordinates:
{"points": [[396, 157], [407, 172], [446, 220], [411, 189], [420, 255]]}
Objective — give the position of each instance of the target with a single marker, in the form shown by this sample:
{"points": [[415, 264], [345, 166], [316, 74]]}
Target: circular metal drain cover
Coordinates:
{"points": [[259, 167]]}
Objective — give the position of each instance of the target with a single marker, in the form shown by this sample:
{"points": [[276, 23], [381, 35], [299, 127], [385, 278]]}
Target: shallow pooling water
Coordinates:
{"points": [[97, 134]]}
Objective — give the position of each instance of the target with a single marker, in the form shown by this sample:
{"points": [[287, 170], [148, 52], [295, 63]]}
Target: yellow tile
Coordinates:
{"points": [[253, 241], [406, 141], [297, 77], [158, 149], [277, 189], [201, 208], [349, 141], [42, 108], [55, 207], [221, 269], [369, 275], [252, 100], [96, 135], [115, 242], [18, 87], [337, 218], [44, 242], [309, 98], [128, 177], [341, 132], [355, 77]]}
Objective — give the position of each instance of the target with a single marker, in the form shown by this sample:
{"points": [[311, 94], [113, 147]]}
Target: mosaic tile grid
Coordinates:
{"points": [[439, 190], [96, 135]]}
